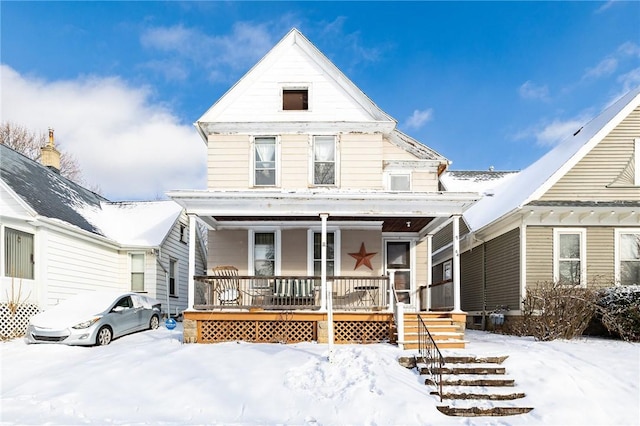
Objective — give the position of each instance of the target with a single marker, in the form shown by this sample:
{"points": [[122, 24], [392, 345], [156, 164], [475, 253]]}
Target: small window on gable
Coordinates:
{"points": [[400, 182], [295, 99]]}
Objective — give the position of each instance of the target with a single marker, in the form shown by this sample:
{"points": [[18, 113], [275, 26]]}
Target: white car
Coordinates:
{"points": [[94, 318]]}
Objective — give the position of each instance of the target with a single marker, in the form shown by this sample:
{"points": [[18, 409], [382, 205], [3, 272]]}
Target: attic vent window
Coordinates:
{"points": [[295, 99]]}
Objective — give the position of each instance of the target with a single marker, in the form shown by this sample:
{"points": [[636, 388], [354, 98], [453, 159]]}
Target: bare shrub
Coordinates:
{"points": [[619, 311], [556, 311]]}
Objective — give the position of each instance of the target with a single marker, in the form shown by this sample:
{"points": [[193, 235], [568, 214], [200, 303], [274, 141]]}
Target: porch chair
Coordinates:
{"points": [[227, 287]]}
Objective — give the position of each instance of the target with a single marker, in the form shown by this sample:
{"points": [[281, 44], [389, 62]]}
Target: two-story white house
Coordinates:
{"points": [[316, 202]]}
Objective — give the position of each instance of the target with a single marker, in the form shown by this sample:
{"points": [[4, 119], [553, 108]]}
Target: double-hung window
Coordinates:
{"points": [[569, 256], [137, 272], [264, 161], [18, 254], [324, 160], [628, 250], [264, 253]]}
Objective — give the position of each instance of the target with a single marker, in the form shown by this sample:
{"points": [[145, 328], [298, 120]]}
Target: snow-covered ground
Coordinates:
{"points": [[152, 378]]}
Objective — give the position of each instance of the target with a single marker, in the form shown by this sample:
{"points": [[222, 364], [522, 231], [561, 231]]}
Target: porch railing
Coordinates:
{"points": [[442, 295], [429, 355], [289, 292]]}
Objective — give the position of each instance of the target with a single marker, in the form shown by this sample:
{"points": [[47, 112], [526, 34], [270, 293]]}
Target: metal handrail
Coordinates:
{"points": [[430, 355]]}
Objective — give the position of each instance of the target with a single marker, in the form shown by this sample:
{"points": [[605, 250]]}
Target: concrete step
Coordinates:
{"points": [[478, 411], [465, 370], [469, 381], [472, 359]]}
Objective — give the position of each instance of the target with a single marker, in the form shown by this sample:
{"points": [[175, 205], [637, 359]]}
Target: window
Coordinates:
{"points": [[628, 246], [264, 253], [183, 233], [324, 160], [173, 267], [317, 253], [18, 254], [137, 272], [447, 275], [636, 153], [569, 250], [264, 161], [400, 182], [295, 99]]}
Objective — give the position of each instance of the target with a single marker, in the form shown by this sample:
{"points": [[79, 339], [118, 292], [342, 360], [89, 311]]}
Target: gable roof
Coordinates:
{"points": [[292, 40], [532, 182], [50, 195], [45, 191], [295, 42]]}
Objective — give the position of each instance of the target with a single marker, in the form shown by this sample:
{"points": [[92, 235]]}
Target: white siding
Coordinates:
{"points": [[261, 96]]}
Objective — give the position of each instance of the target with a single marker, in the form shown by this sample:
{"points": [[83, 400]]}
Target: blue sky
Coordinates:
{"points": [[485, 84]]}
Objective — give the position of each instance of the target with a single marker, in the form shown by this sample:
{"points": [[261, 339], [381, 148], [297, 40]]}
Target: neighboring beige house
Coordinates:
{"points": [[572, 216], [59, 239], [314, 198]]}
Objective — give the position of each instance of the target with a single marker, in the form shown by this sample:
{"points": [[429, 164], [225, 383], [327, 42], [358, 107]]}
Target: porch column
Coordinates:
{"points": [[323, 261], [456, 264], [192, 262], [429, 270]]}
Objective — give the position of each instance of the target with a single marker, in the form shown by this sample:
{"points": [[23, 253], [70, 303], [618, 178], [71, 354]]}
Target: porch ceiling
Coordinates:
{"points": [[389, 224]]}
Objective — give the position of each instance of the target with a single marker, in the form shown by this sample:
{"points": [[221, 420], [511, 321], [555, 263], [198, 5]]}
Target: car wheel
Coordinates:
{"points": [[104, 336], [154, 322]]}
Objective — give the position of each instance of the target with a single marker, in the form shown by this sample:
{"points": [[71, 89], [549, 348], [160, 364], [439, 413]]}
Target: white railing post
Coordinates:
{"points": [[191, 284], [456, 263], [392, 275], [400, 323]]}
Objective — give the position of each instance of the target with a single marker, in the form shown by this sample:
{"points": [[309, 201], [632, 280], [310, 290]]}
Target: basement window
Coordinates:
{"points": [[295, 99]]}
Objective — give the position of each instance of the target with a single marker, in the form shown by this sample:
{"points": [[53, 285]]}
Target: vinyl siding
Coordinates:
{"points": [[471, 280], [228, 162], [588, 180], [296, 160], [600, 255], [539, 255], [361, 161], [294, 252], [445, 235], [351, 241], [74, 265], [502, 263], [229, 247]]}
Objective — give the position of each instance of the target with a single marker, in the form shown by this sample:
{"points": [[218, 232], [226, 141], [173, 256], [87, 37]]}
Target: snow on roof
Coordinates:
{"points": [[143, 223], [535, 180], [482, 182]]}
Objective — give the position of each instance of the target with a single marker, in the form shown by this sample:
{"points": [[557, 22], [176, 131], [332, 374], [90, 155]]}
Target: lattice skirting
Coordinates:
{"points": [[12, 324], [289, 331], [362, 332]]}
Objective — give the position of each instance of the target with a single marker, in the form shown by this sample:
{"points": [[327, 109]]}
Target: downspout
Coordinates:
{"points": [[158, 253]]}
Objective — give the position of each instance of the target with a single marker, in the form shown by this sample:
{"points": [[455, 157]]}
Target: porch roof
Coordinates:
{"points": [[393, 209]]}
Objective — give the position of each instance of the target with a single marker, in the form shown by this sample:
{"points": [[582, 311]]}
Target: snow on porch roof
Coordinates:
{"points": [[140, 223]]}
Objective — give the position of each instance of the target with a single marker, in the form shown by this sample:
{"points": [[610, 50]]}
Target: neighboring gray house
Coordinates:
{"points": [[60, 239], [573, 216]]}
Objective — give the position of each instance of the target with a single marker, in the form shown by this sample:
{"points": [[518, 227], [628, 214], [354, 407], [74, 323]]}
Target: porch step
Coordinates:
{"points": [[474, 386], [445, 332]]}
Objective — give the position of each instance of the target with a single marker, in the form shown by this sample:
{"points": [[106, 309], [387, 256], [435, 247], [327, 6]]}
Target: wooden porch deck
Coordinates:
{"points": [[262, 326]]}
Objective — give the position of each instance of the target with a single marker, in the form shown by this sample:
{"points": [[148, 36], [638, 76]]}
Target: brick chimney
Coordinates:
{"points": [[49, 155]]}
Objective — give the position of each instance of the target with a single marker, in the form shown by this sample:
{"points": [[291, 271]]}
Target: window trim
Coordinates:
{"points": [[389, 175], [277, 249], [336, 249], [144, 270], [175, 277], [336, 162], [295, 87], [5, 252], [618, 232], [252, 165], [447, 270], [582, 232]]}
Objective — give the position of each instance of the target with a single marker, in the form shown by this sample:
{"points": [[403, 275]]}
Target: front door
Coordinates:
{"points": [[399, 262]]}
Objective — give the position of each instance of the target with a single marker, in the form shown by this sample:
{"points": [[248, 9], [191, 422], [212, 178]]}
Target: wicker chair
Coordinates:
{"points": [[227, 288]]}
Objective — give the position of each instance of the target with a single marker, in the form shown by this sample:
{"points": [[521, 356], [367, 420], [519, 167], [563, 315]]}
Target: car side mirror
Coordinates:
{"points": [[118, 309]]}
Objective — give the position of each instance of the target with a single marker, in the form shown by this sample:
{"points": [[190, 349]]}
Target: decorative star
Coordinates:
{"points": [[362, 258]]}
